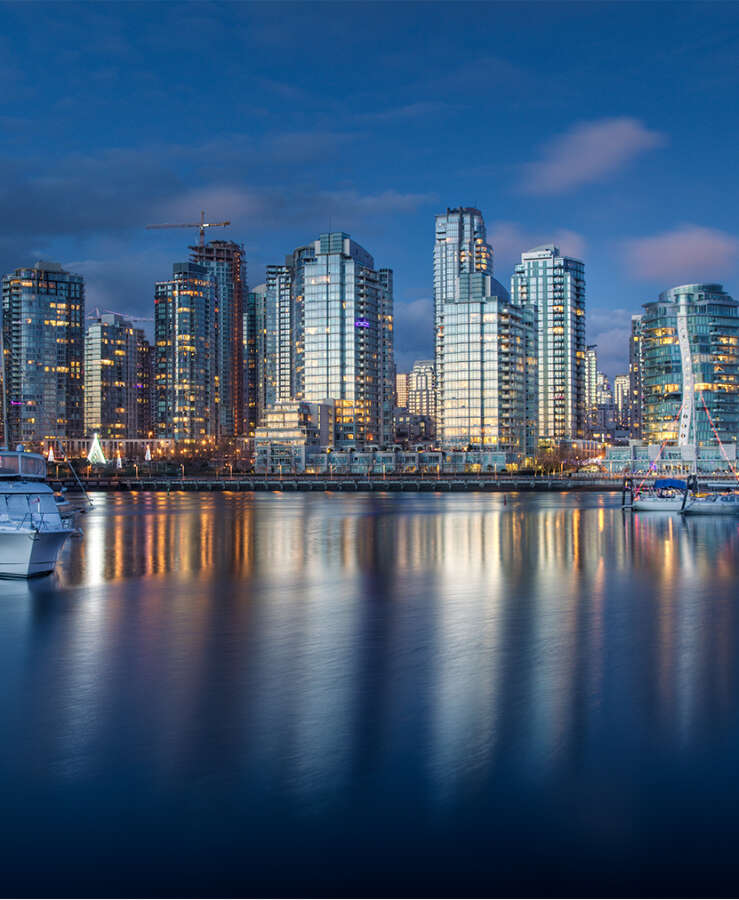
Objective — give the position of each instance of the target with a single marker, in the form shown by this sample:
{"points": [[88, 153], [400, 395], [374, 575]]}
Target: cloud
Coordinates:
{"points": [[588, 152], [687, 253], [419, 110], [510, 239], [414, 332], [610, 329], [251, 209]]}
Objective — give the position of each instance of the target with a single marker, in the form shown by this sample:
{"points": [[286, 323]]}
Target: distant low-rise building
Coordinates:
{"points": [[640, 458], [401, 389], [411, 429], [290, 431]]}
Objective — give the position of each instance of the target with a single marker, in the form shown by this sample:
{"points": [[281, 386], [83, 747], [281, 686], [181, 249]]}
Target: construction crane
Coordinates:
{"points": [[201, 226]]}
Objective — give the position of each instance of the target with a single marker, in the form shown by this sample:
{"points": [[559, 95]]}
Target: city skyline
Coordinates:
{"points": [[590, 158]]}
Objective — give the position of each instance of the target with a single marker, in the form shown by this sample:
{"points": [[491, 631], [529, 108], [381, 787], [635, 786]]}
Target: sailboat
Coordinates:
{"points": [[665, 495]]}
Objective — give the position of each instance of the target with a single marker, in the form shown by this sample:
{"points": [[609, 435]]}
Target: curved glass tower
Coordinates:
{"points": [[690, 364]]}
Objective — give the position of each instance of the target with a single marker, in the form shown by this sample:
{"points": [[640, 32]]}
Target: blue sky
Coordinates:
{"points": [[609, 128]]}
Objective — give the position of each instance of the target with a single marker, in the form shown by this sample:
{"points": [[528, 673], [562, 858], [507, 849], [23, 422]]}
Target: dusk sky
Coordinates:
{"points": [[610, 129]]}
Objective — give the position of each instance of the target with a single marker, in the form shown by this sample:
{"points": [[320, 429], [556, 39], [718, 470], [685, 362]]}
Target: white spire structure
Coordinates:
{"points": [[96, 455], [147, 455], [118, 460], [51, 458]]}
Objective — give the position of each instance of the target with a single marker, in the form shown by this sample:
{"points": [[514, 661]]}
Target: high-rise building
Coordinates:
{"points": [[485, 345], [621, 394], [386, 361], [635, 378], [185, 364], [402, 384], [254, 339], [225, 261], [117, 379], [348, 323], [552, 286], [591, 383], [279, 350], [690, 366], [422, 389], [285, 327], [43, 323]]}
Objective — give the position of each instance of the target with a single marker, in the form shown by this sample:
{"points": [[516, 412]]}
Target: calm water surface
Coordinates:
{"points": [[373, 694]]}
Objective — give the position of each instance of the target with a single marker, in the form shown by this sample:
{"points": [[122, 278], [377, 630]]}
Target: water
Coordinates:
{"points": [[373, 694]]}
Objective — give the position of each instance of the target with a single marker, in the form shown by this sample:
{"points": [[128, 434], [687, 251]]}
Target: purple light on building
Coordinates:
{"points": [[361, 323]]}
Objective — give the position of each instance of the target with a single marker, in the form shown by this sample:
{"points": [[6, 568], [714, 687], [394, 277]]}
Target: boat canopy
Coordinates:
{"points": [[662, 483], [17, 464]]}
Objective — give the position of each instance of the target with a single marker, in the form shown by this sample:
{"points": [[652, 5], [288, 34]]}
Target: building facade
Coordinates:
{"points": [[285, 327], [552, 287], [185, 386], [43, 330], [225, 260], [485, 358], [690, 366], [290, 432], [117, 379], [621, 395], [402, 381], [591, 384], [348, 339], [422, 388], [254, 336], [635, 378]]}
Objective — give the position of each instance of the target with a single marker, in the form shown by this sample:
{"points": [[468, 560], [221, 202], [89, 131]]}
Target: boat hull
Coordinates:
{"points": [[25, 553], [658, 504], [717, 507]]}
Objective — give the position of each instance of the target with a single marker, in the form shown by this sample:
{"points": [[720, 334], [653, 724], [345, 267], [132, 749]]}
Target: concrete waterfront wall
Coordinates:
{"points": [[460, 483]]}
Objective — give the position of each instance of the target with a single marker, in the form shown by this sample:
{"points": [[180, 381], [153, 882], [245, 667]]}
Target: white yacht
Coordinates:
{"points": [[32, 530]]}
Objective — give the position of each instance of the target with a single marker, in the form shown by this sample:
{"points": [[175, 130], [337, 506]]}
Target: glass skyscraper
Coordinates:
{"points": [[690, 357], [280, 325], [43, 322], [348, 340], [285, 324], [185, 371], [117, 379], [485, 345], [552, 287], [226, 262]]}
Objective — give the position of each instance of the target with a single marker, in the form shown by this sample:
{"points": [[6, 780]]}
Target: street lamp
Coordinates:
{"points": [[182, 471]]}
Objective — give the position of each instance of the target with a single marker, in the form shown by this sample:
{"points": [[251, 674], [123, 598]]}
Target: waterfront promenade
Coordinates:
{"points": [[462, 482]]}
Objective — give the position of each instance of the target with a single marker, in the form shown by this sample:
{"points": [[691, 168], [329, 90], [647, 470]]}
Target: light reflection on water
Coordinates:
{"points": [[216, 658]]}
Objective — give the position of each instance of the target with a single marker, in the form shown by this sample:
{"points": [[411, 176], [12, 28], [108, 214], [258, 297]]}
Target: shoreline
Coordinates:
{"points": [[348, 484]]}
